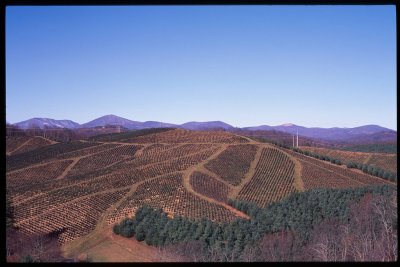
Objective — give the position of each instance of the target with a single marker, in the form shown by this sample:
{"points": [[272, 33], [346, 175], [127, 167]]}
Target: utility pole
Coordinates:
{"points": [[293, 140], [297, 144]]}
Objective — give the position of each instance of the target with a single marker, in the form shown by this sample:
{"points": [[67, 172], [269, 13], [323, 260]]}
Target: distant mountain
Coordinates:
{"points": [[259, 128], [112, 120], [156, 124], [283, 137], [379, 137], [324, 133], [46, 123], [366, 133], [194, 125]]}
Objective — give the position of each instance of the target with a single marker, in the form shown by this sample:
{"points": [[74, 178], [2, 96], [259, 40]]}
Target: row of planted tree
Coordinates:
{"points": [[366, 168], [373, 170]]}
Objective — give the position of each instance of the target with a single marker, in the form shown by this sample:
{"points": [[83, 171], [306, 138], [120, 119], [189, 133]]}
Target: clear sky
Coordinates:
{"points": [[315, 66]]}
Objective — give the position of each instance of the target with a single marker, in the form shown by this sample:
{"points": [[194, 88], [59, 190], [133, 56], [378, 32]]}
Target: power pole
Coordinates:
{"points": [[293, 140], [297, 144]]}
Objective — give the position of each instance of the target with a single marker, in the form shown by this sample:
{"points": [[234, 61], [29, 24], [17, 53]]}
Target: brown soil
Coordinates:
{"points": [[105, 246]]}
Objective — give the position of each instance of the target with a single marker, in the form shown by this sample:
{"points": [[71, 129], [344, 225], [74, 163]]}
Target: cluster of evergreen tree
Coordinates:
{"points": [[318, 156], [298, 212], [9, 211], [373, 170], [279, 144]]}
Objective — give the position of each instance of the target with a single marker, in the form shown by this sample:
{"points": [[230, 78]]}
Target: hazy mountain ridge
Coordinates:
{"points": [[47, 123], [195, 125], [364, 133], [334, 133]]}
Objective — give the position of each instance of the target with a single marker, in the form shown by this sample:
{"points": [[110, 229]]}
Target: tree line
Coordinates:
{"points": [[373, 170], [376, 148]]}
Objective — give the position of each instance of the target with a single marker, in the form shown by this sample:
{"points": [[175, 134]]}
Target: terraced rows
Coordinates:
{"points": [[381, 160], [151, 156], [168, 193], [157, 148], [186, 136], [52, 198], [123, 173], [24, 192], [318, 177], [233, 163], [351, 174], [38, 174], [344, 156], [87, 151], [13, 143], [44, 154], [105, 173], [384, 161], [273, 179], [76, 219], [103, 159], [33, 143], [208, 186]]}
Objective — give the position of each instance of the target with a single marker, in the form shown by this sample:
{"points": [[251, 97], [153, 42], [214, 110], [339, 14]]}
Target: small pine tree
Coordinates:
{"points": [[364, 168], [116, 229], [27, 259]]}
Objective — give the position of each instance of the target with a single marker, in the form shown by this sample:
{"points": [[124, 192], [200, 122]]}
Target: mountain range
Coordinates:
{"points": [[47, 123], [375, 131]]}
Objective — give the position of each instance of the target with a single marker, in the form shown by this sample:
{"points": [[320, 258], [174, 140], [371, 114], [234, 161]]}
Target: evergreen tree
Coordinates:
{"points": [[364, 168], [9, 210], [200, 229]]}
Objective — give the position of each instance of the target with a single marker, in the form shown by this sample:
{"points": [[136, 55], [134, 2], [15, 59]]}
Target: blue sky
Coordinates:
{"points": [[315, 66]]}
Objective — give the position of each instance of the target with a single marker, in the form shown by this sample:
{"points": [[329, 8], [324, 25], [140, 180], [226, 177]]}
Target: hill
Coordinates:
{"points": [[284, 138], [194, 125], [111, 120], [82, 187], [43, 123], [382, 160], [367, 132], [20, 144], [375, 148]]}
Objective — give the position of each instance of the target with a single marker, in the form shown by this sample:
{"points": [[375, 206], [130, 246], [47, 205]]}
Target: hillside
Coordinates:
{"points": [[43, 123], [78, 187], [381, 160], [20, 144]]}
